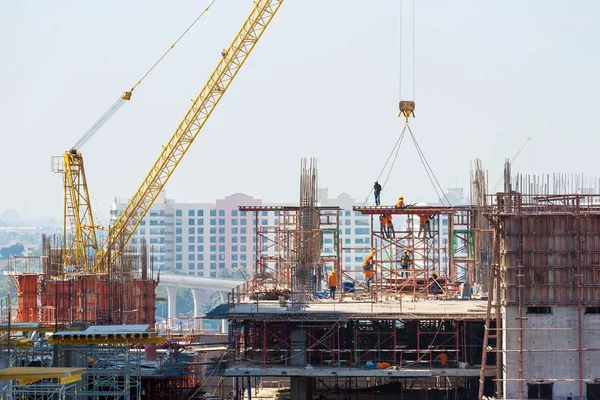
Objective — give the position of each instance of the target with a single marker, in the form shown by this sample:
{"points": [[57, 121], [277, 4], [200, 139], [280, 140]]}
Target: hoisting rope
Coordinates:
{"points": [[428, 170], [393, 153], [125, 96]]}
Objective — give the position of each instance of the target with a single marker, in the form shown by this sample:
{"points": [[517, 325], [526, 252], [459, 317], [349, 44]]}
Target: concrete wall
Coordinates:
{"points": [[551, 353]]}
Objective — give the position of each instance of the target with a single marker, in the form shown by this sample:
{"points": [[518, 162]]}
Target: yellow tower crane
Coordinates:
{"points": [[232, 59]]}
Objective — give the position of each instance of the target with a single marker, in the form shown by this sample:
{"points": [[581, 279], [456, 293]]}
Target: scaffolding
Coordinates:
{"points": [[546, 286], [439, 263], [41, 383]]}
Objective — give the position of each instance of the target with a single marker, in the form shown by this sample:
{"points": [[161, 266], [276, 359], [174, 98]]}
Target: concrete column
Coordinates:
{"points": [[301, 388], [198, 314], [172, 299]]}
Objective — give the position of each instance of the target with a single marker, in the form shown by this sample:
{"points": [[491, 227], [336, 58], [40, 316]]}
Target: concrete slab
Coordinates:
{"points": [[334, 310], [354, 372]]}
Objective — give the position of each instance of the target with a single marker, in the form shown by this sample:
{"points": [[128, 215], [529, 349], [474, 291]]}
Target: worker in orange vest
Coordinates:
{"points": [[400, 202], [390, 226], [332, 283], [368, 267], [442, 358]]}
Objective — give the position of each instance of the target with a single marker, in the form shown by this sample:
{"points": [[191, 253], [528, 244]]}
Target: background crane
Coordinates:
{"points": [[513, 159]]}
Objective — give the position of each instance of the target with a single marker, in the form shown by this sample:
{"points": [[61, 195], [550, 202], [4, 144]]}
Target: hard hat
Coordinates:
{"points": [[406, 250], [401, 197]]}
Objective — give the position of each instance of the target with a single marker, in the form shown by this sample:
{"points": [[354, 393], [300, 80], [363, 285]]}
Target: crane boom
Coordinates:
{"points": [[513, 159], [231, 61]]}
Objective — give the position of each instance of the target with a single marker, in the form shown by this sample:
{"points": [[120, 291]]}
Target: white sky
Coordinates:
{"points": [[323, 82]]}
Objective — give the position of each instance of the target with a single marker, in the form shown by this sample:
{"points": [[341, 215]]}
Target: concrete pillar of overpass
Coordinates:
{"points": [[223, 321], [198, 314], [172, 300]]}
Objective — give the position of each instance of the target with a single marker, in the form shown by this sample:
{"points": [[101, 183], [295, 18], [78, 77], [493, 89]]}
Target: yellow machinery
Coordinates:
{"points": [[77, 206]]}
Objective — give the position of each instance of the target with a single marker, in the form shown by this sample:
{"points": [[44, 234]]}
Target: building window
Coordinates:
{"points": [[200, 273], [592, 310], [362, 231], [221, 248], [243, 257], [243, 231], [221, 221], [200, 213], [191, 221], [191, 257], [213, 222], [234, 265], [178, 213], [200, 221], [234, 239], [221, 213], [234, 257], [539, 310], [191, 213], [221, 239], [213, 213], [191, 230], [213, 257], [200, 239], [191, 239], [213, 265], [243, 248], [243, 221], [178, 231], [234, 249], [539, 391], [178, 239], [200, 248], [213, 239], [213, 248], [178, 248], [221, 265], [178, 266], [191, 248], [200, 231], [213, 231], [243, 239], [234, 213], [191, 266], [234, 222], [234, 231], [242, 213], [348, 231], [178, 257], [265, 222], [221, 230]]}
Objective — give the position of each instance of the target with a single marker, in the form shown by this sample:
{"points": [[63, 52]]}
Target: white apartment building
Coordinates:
{"points": [[202, 239]]}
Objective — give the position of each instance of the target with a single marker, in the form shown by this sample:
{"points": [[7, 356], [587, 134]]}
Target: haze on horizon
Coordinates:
{"points": [[322, 82]]}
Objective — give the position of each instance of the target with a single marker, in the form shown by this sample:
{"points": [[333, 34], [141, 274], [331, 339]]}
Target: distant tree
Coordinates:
{"points": [[14, 250]]}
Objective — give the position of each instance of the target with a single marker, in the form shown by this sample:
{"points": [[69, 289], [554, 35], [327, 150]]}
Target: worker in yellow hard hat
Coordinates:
{"points": [[404, 261], [368, 267], [400, 202]]}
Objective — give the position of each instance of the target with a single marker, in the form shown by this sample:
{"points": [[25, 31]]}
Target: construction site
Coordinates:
{"points": [[495, 299]]}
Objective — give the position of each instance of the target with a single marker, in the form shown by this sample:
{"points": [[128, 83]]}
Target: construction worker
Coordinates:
{"points": [[400, 202], [368, 267], [435, 286], [424, 225], [442, 358], [383, 225], [404, 261], [368, 263], [332, 283], [390, 225], [377, 192]]}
